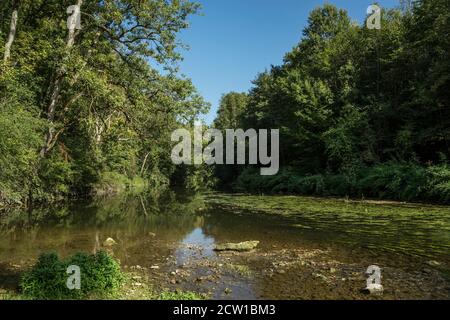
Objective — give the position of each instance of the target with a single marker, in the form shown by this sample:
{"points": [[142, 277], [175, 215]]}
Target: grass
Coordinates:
{"points": [[243, 270], [180, 295], [126, 292], [8, 296]]}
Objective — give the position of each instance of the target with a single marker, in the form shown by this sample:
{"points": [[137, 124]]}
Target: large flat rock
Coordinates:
{"points": [[240, 247]]}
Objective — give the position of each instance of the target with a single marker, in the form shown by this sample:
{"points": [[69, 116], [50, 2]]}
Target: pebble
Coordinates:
{"points": [[109, 242], [433, 263]]}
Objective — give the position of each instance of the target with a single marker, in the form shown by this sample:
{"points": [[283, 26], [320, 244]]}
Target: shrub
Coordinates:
{"points": [[438, 186], [339, 185], [397, 181], [100, 277]]}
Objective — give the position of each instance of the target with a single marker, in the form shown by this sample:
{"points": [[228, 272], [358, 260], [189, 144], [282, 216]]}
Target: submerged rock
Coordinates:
{"points": [[109, 242], [240, 247], [433, 263]]}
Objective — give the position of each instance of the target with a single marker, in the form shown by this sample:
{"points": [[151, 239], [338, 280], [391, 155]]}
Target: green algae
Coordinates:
{"points": [[418, 230]]}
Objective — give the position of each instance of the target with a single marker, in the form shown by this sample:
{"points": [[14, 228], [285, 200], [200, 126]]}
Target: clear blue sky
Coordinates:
{"points": [[233, 40]]}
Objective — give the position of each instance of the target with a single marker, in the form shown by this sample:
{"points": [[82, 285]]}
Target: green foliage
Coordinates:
{"points": [[392, 180], [20, 132], [398, 181], [438, 186], [110, 183], [361, 112], [180, 295], [73, 118], [232, 106], [100, 277]]}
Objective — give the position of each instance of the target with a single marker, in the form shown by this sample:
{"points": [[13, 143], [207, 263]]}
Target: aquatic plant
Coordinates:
{"points": [[180, 295]]}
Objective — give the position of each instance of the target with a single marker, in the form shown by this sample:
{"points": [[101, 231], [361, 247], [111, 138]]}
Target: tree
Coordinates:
{"points": [[231, 108], [106, 109], [348, 99]]}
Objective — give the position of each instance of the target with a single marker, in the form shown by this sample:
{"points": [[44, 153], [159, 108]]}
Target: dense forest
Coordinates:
{"points": [[362, 113], [91, 109]]}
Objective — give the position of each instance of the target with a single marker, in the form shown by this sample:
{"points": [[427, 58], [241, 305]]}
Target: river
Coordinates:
{"points": [[309, 248]]}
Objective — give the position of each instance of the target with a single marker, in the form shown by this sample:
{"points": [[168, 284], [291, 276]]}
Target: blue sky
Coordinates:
{"points": [[233, 40]]}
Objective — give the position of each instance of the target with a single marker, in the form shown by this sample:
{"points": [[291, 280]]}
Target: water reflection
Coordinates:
{"points": [[84, 226], [196, 245]]}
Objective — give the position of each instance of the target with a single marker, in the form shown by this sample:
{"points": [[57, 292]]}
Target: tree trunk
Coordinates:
{"points": [[12, 31], [144, 163], [55, 95]]}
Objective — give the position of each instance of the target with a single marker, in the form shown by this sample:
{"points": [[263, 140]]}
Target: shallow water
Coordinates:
{"points": [[172, 238]]}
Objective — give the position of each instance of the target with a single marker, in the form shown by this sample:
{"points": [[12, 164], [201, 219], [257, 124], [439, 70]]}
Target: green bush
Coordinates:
{"points": [[401, 181], [339, 185], [397, 181], [438, 186], [47, 280]]}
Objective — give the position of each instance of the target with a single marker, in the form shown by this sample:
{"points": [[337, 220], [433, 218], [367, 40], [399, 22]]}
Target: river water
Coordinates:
{"points": [[169, 240]]}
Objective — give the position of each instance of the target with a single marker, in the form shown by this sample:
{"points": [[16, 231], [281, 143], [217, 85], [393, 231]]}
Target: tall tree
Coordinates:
{"points": [[58, 78]]}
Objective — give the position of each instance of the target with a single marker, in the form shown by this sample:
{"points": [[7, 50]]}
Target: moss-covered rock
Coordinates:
{"points": [[240, 247]]}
